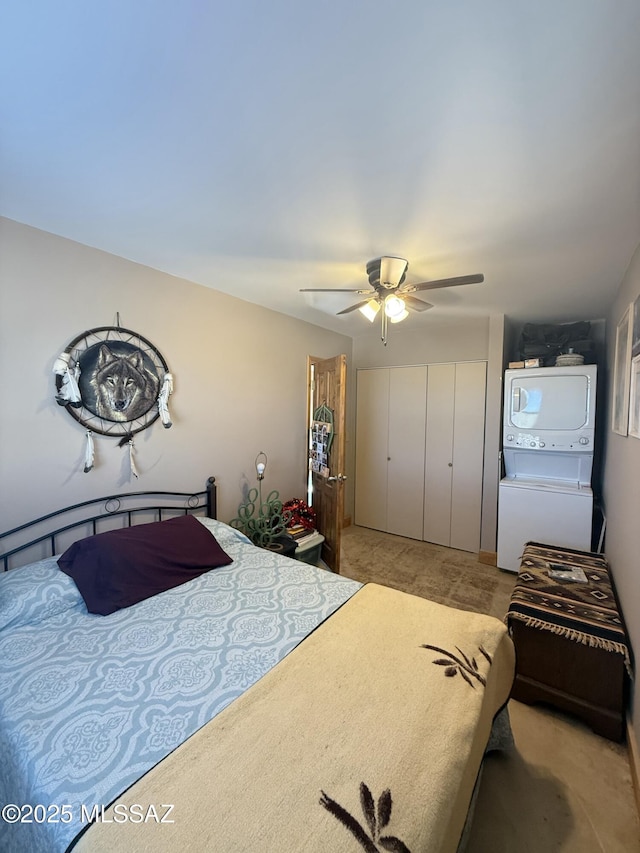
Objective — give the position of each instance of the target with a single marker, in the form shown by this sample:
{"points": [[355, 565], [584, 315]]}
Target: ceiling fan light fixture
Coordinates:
{"points": [[394, 308], [392, 271], [370, 309], [398, 317], [388, 290]]}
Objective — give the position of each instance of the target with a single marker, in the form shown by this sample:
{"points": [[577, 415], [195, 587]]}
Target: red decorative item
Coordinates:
{"points": [[301, 513]]}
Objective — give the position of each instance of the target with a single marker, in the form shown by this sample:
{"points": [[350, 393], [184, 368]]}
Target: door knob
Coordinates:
{"points": [[340, 478], [450, 464]]}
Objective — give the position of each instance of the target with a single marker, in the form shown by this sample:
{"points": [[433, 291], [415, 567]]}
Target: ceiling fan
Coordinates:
{"points": [[386, 276]]}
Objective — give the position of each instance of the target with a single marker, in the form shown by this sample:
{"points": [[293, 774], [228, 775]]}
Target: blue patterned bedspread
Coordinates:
{"points": [[89, 703]]}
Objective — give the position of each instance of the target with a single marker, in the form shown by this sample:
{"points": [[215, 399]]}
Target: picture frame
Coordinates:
{"points": [[113, 382], [321, 435], [621, 373], [93, 351], [634, 402]]}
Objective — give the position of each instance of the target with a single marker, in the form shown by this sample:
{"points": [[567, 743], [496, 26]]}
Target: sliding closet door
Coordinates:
{"points": [[468, 455], [454, 454], [419, 473], [438, 469], [405, 458], [372, 434]]}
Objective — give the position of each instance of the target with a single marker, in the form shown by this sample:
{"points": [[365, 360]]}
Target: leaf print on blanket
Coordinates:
{"points": [[377, 816], [467, 667]]}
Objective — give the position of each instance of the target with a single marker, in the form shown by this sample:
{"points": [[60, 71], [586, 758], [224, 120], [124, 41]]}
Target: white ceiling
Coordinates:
{"points": [[261, 146]]}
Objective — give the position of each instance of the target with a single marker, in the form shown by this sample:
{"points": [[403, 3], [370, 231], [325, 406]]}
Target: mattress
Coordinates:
{"points": [[89, 703], [265, 704]]}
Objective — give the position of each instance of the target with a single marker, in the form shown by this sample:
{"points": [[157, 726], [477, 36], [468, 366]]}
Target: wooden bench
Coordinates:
{"points": [[572, 649]]}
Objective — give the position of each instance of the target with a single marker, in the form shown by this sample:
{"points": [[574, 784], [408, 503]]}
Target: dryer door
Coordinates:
{"points": [[544, 400]]}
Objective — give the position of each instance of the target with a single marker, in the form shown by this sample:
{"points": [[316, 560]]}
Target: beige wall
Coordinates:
{"points": [[622, 492], [240, 379], [442, 340]]}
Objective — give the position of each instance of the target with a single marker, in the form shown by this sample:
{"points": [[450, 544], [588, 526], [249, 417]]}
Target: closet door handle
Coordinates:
{"points": [[450, 464]]}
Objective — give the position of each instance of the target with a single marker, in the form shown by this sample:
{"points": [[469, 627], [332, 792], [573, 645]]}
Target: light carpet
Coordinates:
{"points": [[563, 788]]}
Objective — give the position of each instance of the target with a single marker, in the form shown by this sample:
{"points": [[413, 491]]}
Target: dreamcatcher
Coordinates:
{"points": [[114, 382]]}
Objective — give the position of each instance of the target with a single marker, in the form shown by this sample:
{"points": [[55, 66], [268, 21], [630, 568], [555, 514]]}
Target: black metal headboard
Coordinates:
{"points": [[43, 534]]}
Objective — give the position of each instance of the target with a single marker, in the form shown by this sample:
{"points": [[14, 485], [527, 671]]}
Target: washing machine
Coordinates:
{"points": [[553, 512]]}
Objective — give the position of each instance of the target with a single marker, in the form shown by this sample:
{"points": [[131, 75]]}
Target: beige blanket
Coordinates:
{"points": [[368, 736]]}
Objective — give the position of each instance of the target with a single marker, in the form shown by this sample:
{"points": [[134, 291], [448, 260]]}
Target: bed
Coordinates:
{"points": [[169, 686]]}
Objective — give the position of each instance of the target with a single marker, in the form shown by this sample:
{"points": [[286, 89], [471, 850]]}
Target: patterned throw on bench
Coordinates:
{"points": [[585, 612]]}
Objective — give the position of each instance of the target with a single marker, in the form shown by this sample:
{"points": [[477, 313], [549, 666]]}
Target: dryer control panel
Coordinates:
{"points": [[550, 441]]}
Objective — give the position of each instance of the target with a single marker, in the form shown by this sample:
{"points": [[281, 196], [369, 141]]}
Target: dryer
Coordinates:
{"points": [[549, 412]]}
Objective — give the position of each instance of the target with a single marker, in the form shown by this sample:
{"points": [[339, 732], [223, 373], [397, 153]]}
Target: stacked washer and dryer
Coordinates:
{"points": [[548, 443]]}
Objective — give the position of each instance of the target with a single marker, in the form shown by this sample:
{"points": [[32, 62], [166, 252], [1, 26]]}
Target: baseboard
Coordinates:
{"points": [[346, 521], [489, 558], [634, 762]]}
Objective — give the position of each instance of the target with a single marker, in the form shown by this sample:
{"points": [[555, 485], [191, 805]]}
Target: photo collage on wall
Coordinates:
{"points": [[321, 434]]}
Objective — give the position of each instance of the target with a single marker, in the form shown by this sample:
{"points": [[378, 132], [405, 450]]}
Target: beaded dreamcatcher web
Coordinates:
{"points": [[114, 382]]}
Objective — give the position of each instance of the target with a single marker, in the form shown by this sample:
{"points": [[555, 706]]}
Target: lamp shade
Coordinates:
{"points": [[370, 309], [398, 317], [261, 464], [393, 307]]}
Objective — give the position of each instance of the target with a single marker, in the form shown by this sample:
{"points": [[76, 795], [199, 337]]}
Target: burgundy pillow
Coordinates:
{"points": [[119, 568]]}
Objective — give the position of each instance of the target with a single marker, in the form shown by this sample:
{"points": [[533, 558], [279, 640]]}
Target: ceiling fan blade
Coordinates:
{"points": [[331, 290], [477, 278], [353, 307], [415, 303]]}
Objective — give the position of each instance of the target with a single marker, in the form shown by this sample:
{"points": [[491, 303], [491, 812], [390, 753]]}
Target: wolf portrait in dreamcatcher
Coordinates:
{"points": [[114, 382]]}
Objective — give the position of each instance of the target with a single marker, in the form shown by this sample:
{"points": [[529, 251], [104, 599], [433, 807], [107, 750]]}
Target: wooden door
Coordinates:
{"points": [[372, 440], [406, 448], [438, 472], [327, 386]]}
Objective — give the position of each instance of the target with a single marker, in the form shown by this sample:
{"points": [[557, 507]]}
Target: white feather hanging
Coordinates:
{"points": [[163, 400], [131, 459], [89, 454], [69, 393]]}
